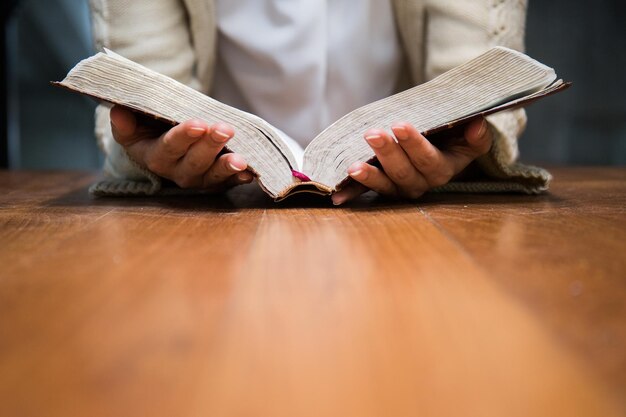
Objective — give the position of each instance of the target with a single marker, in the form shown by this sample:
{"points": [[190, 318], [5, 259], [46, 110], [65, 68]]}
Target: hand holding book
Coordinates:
{"points": [[188, 154], [411, 164]]}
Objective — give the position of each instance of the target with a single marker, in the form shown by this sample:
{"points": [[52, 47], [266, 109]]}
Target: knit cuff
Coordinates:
{"points": [[123, 176], [502, 172]]}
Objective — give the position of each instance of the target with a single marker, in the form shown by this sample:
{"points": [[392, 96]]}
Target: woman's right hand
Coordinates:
{"points": [[188, 153]]}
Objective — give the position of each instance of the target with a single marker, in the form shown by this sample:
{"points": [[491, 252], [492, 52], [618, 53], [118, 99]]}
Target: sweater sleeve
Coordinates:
{"points": [[156, 35], [457, 31]]}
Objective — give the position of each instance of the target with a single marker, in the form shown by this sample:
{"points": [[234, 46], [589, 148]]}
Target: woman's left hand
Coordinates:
{"points": [[412, 165]]}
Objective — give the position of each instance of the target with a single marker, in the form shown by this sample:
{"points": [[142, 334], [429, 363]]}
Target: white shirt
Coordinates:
{"points": [[302, 64]]}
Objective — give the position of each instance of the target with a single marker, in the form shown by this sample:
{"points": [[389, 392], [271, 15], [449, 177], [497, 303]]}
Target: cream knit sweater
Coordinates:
{"points": [[178, 38]]}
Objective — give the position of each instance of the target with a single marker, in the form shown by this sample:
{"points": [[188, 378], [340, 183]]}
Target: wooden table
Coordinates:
{"points": [[458, 305]]}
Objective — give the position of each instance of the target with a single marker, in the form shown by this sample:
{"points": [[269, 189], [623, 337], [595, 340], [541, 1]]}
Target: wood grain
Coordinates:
{"points": [[232, 305]]}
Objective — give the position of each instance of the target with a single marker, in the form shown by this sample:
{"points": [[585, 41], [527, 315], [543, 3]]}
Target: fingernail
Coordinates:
{"points": [[483, 128], [338, 199], [235, 167], [244, 177], [224, 136], [196, 132], [400, 132], [356, 170], [375, 141], [356, 173]]}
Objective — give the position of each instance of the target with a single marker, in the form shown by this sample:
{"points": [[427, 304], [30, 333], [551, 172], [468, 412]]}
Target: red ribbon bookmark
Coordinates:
{"points": [[300, 175]]}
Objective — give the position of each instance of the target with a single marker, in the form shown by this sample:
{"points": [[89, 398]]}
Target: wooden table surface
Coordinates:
{"points": [[458, 305]]}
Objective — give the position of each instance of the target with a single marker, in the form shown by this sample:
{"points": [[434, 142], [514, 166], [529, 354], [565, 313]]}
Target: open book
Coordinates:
{"points": [[499, 79]]}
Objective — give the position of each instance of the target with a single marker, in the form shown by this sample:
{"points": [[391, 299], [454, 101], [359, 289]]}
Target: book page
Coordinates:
{"points": [[291, 149], [115, 79], [297, 151], [497, 76]]}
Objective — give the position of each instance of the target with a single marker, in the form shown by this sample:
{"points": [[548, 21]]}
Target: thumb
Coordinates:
{"points": [[123, 125], [479, 137]]}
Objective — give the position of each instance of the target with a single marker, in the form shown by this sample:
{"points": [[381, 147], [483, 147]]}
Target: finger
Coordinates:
{"points": [[123, 125], [202, 153], [479, 138], [221, 132], [435, 168], [245, 177], [161, 155], [224, 167], [232, 181], [174, 143], [396, 163], [373, 178], [350, 192], [241, 178]]}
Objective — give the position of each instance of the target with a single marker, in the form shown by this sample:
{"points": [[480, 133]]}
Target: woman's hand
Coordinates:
{"points": [[188, 154], [412, 165]]}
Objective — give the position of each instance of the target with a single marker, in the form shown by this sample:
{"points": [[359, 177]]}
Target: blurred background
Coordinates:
{"points": [[585, 41]]}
